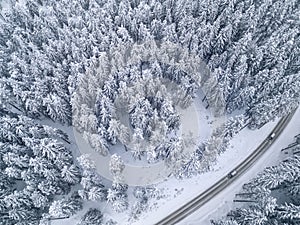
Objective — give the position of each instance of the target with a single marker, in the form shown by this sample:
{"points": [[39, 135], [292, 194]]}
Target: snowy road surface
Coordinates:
{"points": [[225, 181], [223, 202], [239, 149]]}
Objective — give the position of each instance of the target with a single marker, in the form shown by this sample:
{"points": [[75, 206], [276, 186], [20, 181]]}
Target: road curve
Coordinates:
{"points": [[204, 197]]}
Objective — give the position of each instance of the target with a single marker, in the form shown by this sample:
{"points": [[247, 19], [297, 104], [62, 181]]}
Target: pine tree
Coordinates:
{"points": [[289, 213], [113, 130], [33, 155], [70, 174], [93, 189], [137, 142], [66, 207], [117, 196], [92, 217]]}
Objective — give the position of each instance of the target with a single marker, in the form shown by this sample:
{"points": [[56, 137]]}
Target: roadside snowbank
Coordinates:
{"points": [[240, 147], [223, 202]]}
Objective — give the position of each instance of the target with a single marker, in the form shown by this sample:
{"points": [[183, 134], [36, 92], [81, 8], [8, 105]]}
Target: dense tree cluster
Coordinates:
{"points": [[132, 108], [251, 49], [273, 197], [67, 60], [91, 182], [35, 167], [62, 59]]}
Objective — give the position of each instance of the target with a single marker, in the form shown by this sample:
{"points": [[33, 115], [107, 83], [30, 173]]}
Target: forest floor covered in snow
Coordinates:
{"points": [[176, 193], [119, 71], [240, 147], [196, 125], [223, 202]]}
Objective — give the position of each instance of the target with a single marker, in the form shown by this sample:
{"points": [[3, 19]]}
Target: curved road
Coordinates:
{"points": [[204, 197]]}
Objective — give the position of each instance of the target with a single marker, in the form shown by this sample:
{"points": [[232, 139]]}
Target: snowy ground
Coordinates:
{"points": [[181, 191], [241, 146], [196, 126], [197, 120], [222, 203]]}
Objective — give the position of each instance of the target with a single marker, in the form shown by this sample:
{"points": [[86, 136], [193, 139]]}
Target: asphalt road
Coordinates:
{"points": [[224, 182]]}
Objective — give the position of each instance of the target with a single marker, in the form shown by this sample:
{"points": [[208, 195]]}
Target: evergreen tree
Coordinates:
{"points": [[263, 208], [34, 156], [66, 207], [117, 196], [91, 217], [116, 167], [93, 189]]}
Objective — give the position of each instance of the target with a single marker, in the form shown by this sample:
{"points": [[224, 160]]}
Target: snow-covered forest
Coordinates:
{"points": [[36, 166], [272, 197], [251, 49], [118, 71]]}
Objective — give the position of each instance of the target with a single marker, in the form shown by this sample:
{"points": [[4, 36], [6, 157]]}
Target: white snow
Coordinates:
{"points": [[223, 202], [5, 4], [194, 127], [241, 146]]}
